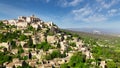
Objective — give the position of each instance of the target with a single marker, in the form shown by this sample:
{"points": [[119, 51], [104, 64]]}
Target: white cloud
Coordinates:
{"points": [[74, 2], [95, 12], [47, 1], [66, 3], [113, 12], [96, 18], [108, 4], [83, 11], [87, 14]]}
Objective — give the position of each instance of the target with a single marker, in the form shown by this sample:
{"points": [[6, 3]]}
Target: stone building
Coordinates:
{"points": [[6, 45]]}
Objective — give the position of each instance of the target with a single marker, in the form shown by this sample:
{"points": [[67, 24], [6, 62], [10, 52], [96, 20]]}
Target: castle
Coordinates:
{"points": [[22, 22]]}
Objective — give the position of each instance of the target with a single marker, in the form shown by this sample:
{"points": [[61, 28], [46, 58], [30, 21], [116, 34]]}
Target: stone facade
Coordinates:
{"points": [[6, 45]]}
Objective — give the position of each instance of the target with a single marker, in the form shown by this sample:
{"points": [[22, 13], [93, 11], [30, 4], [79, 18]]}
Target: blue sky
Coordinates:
{"points": [[66, 13]]}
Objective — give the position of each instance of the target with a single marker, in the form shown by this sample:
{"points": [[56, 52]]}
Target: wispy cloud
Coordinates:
{"points": [[96, 13], [85, 11], [47, 1], [66, 3], [88, 14], [113, 12], [74, 2], [108, 4]]}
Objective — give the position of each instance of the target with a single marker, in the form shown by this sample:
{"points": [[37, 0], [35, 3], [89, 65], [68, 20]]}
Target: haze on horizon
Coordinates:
{"points": [[66, 13]]}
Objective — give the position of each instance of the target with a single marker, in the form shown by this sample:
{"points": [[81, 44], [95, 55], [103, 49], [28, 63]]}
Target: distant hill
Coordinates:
{"points": [[93, 35], [108, 31]]}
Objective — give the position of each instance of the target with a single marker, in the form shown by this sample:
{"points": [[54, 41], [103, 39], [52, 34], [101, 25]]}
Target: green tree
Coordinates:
{"points": [[13, 43], [65, 65], [30, 42], [5, 57], [1, 24], [23, 37], [20, 49], [77, 60], [44, 45], [72, 44], [111, 64], [30, 28], [55, 54]]}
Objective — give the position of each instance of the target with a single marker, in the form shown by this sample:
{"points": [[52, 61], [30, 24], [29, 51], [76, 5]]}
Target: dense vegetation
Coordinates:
{"points": [[4, 57], [78, 60], [55, 54], [44, 45]]}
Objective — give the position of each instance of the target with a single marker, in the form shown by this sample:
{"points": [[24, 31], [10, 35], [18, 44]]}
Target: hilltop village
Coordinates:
{"points": [[29, 42]]}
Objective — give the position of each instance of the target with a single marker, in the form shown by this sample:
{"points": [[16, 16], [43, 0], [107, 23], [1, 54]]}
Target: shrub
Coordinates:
{"points": [[44, 45]]}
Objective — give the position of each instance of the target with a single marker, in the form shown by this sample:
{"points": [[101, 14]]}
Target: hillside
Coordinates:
{"points": [[107, 47], [29, 42]]}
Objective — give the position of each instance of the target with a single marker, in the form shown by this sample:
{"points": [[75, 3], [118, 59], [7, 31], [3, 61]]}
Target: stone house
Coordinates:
{"points": [[63, 46], [21, 24], [32, 63], [15, 60], [14, 51], [49, 24], [15, 63], [35, 25], [42, 37], [88, 54], [47, 66], [12, 22], [52, 39], [65, 36], [22, 43], [10, 65], [35, 39], [103, 64], [29, 19], [79, 44], [22, 18], [3, 49], [6, 45], [39, 66], [20, 63], [40, 54], [4, 64], [5, 22]]}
